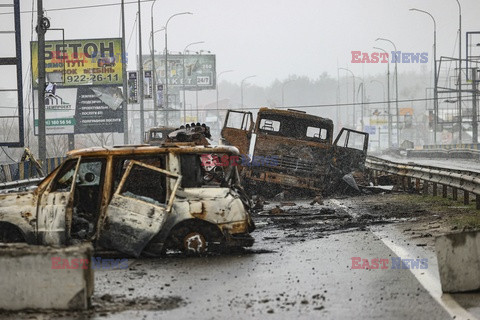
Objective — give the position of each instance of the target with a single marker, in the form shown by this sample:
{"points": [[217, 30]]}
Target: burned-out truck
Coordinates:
{"points": [[133, 199], [305, 156]]}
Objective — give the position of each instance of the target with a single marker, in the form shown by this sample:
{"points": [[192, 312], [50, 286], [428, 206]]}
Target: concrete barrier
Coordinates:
{"points": [[458, 257], [32, 277]]}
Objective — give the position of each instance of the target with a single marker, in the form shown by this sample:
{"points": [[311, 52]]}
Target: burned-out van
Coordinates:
{"points": [[133, 200]]}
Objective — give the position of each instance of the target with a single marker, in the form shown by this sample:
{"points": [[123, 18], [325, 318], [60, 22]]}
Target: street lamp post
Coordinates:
{"points": [[154, 76], [354, 87], [389, 110], [166, 64], [241, 88], [396, 91], [183, 82], [459, 94], [362, 104], [217, 83], [435, 88], [154, 71], [383, 95], [140, 71], [283, 90]]}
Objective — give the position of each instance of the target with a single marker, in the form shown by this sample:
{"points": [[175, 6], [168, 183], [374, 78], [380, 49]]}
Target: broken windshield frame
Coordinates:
{"points": [[293, 127]]}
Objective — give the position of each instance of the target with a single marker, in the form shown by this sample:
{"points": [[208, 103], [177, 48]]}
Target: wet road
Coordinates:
{"points": [[300, 267], [311, 279], [295, 270]]}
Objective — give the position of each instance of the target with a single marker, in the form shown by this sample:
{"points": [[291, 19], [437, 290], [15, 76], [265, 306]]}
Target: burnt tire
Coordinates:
{"points": [[10, 234], [195, 237]]}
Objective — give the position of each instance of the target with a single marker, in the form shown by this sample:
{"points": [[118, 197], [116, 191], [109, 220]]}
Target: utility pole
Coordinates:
{"points": [[124, 75], [154, 70], [196, 100], [140, 71], [459, 94], [389, 109], [42, 139], [474, 106]]}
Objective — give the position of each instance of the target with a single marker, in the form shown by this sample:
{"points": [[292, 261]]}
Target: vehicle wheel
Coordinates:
{"points": [[194, 242], [9, 234]]}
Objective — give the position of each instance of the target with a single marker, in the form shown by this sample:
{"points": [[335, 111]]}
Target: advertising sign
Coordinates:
{"points": [[147, 84], [82, 110], [159, 95], [132, 84], [192, 72], [81, 62]]}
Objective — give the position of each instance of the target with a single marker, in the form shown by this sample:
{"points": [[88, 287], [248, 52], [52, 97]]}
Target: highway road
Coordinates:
{"points": [[300, 267]]}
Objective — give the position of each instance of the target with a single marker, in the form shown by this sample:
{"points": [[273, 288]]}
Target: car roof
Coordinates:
{"points": [[148, 149]]}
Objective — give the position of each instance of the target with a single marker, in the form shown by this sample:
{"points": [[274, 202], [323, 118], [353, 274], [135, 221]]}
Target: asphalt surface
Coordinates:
{"points": [[300, 267]]}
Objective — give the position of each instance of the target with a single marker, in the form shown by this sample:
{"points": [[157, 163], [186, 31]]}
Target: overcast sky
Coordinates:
{"points": [[273, 39]]}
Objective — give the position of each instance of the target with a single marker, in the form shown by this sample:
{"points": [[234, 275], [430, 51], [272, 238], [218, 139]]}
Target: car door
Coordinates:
{"points": [[55, 204], [237, 129], [138, 208], [350, 150]]}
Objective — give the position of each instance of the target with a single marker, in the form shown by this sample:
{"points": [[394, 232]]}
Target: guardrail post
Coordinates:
{"points": [[466, 197], [409, 183], [455, 194], [435, 189], [444, 193], [425, 188], [417, 185], [477, 201]]}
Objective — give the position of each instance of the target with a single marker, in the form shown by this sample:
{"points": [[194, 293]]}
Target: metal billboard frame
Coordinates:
{"points": [[16, 61]]}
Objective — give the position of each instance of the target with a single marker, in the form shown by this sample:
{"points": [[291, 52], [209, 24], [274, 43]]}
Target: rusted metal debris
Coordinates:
{"points": [[156, 136], [307, 157], [134, 199], [195, 133]]}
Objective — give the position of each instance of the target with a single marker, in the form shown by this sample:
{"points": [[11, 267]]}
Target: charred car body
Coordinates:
{"points": [[133, 200], [191, 133], [306, 156]]}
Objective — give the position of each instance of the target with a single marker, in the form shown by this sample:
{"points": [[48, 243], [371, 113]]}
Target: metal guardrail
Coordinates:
{"points": [[467, 181], [460, 153]]}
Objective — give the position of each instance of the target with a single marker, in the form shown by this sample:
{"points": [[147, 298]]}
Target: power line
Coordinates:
{"points": [[133, 29], [320, 105], [82, 7], [316, 105]]}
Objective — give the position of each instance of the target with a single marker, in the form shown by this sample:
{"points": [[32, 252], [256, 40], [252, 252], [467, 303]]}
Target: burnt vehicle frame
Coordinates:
{"points": [[307, 157], [134, 200]]}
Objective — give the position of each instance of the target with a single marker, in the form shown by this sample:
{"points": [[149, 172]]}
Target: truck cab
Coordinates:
{"points": [[306, 156]]}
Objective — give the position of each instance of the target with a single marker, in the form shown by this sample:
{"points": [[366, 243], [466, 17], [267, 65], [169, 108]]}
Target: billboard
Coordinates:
{"points": [[82, 110], [83, 94], [189, 72], [81, 62]]}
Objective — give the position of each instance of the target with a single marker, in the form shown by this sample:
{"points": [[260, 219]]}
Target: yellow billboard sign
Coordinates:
{"points": [[93, 62]]}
